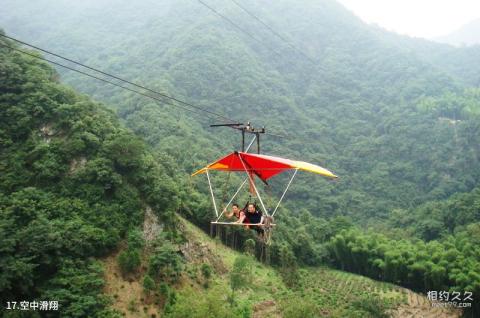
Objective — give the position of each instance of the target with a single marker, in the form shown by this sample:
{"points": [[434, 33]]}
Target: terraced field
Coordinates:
{"points": [[334, 293], [419, 306], [342, 293]]}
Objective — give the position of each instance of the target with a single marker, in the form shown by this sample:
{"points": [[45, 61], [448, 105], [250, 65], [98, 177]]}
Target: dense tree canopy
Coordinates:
{"points": [[72, 183]]}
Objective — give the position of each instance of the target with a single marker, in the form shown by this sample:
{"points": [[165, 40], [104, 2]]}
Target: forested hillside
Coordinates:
{"points": [[354, 110], [396, 118], [76, 187], [73, 183]]}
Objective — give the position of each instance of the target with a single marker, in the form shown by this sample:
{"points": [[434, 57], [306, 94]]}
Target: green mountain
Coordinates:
{"points": [[396, 118], [76, 187], [355, 110]]}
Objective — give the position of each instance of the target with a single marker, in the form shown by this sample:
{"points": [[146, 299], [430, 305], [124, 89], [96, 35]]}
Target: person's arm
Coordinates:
{"points": [[227, 214], [242, 217]]}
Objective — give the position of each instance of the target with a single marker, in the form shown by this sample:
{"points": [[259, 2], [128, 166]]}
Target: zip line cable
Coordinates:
{"points": [[113, 76], [273, 31], [107, 81], [151, 90], [318, 66], [164, 98], [157, 100], [250, 35]]}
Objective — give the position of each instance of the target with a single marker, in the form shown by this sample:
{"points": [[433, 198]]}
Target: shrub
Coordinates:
{"points": [[129, 261], [148, 284], [165, 263], [206, 270]]}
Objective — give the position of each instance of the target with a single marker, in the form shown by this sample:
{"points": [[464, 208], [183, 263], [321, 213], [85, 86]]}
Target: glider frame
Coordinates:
{"points": [[249, 178], [233, 197], [284, 192], [252, 182]]}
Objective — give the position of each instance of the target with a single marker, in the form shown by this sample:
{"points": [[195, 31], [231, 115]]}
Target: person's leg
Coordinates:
{"points": [[260, 231]]}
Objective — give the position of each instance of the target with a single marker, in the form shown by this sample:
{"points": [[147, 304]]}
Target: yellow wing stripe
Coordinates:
{"points": [[305, 166]]}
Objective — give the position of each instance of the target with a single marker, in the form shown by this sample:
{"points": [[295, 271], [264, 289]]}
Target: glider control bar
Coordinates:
{"points": [[244, 224]]}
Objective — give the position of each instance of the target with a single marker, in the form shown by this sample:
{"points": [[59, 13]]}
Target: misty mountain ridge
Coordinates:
{"points": [[467, 35]]}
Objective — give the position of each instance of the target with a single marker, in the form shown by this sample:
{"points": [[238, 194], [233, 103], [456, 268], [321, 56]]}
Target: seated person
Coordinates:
{"points": [[254, 216], [237, 213]]}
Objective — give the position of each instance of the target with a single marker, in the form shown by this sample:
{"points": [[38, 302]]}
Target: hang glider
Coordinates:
{"points": [[263, 166]]}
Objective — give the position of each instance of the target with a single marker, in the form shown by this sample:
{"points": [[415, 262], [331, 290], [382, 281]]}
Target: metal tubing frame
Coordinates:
{"points": [[253, 184], [211, 192], [244, 224], [249, 177], [251, 143], [284, 192], [226, 207]]}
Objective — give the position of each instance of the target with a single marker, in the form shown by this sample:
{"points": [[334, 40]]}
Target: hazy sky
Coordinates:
{"points": [[420, 18]]}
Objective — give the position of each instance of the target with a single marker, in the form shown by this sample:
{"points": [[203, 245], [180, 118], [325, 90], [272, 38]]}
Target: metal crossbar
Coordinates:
{"points": [[244, 224]]}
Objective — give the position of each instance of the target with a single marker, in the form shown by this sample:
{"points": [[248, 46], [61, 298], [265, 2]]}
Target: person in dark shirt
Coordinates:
{"points": [[254, 216]]}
